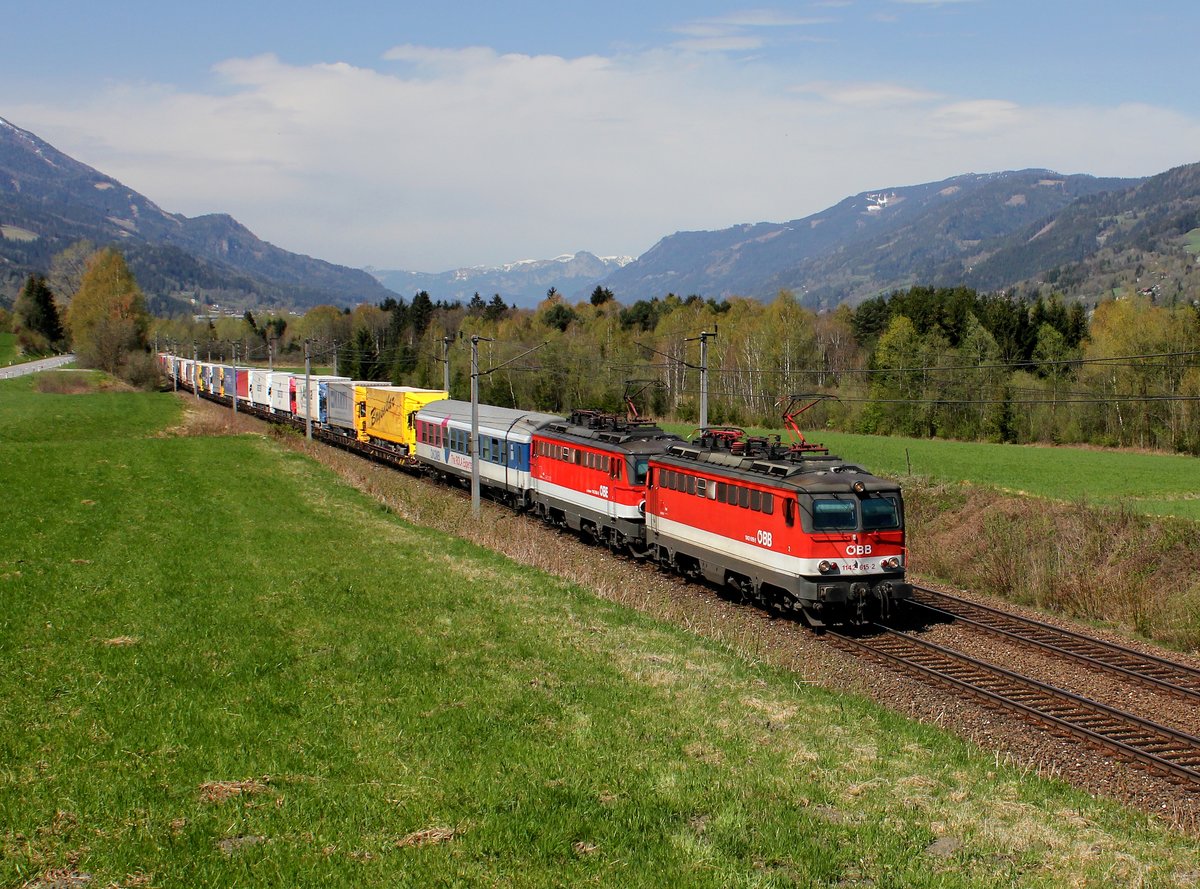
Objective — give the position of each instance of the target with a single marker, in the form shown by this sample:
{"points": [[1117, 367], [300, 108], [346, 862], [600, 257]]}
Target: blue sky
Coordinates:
{"points": [[435, 135]]}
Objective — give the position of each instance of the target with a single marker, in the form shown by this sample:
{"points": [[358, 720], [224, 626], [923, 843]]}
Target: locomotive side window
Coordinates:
{"points": [[789, 511], [768, 503], [691, 484], [834, 515], [700, 487], [756, 500], [722, 492], [744, 498], [880, 513]]}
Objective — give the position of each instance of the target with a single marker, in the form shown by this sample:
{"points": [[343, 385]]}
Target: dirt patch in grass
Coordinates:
{"points": [[206, 419], [219, 791], [77, 382], [121, 641], [428, 837]]}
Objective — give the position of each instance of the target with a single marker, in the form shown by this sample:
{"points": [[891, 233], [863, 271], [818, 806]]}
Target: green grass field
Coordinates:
{"points": [[221, 667], [1156, 484], [8, 349]]}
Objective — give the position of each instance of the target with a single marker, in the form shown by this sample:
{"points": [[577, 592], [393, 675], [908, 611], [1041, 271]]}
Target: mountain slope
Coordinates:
{"points": [[871, 242], [1104, 239], [48, 201]]}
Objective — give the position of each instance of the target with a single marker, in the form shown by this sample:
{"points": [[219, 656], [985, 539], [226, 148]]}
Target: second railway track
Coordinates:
{"points": [[1150, 671], [1169, 752]]}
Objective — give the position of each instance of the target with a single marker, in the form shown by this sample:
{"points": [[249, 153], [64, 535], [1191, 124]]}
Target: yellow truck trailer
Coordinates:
{"points": [[385, 413]]}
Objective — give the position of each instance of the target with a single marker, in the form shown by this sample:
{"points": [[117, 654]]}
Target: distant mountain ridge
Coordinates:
{"points": [[1021, 230], [49, 200], [524, 282], [871, 242]]}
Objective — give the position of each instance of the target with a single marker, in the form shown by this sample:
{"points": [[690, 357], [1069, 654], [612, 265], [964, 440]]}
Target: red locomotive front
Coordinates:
{"points": [[792, 529]]}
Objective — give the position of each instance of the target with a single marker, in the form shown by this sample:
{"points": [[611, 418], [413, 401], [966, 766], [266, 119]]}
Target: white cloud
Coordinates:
{"points": [[865, 94], [437, 158]]}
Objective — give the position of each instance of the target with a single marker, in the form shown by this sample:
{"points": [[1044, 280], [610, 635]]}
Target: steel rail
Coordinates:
{"points": [[1149, 670], [1170, 752]]}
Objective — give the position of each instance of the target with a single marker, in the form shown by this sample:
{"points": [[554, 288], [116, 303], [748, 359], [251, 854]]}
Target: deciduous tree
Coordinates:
{"points": [[107, 317]]}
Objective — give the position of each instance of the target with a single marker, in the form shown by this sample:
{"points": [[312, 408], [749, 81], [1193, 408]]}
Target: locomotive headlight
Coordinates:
{"points": [[825, 567], [890, 564], [859, 487]]}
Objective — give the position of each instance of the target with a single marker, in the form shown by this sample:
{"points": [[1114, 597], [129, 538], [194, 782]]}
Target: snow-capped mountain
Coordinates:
{"points": [[523, 282]]}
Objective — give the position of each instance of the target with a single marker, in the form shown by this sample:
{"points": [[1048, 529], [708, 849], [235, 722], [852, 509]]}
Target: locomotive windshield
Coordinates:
{"points": [[834, 515], [880, 513], [640, 467]]}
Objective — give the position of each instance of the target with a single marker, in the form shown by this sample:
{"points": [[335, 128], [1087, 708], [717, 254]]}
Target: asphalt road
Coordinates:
{"points": [[32, 367]]}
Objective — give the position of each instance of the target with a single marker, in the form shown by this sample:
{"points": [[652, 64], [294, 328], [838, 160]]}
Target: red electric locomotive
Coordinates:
{"points": [[790, 527], [588, 473]]}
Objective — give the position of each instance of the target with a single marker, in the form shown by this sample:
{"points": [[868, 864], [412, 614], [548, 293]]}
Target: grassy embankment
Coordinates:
{"points": [[219, 666], [8, 349]]}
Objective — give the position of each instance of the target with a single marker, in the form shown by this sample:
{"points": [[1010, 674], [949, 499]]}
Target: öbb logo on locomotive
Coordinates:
{"points": [[784, 525]]}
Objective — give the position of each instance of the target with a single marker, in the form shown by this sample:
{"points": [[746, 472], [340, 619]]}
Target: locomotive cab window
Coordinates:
{"points": [[880, 513], [639, 471], [834, 515]]}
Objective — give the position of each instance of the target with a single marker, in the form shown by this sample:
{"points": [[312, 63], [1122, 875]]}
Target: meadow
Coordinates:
{"points": [[8, 349], [219, 665]]}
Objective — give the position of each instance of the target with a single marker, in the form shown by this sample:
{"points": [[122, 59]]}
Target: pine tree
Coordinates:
{"points": [[35, 317]]}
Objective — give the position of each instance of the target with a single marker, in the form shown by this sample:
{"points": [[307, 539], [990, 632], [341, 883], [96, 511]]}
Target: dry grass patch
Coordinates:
{"points": [[121, 641], [430, 836], [219, 791], [77, 382]]}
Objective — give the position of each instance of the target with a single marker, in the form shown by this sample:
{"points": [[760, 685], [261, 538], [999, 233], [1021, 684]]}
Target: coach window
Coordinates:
{"points": [[497, 451]]}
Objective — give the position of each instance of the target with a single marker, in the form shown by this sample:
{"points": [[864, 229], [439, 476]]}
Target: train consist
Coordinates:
{"points": [[787, 526]]}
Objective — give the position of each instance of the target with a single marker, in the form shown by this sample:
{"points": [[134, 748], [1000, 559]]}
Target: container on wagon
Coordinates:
{"points": [[339, 403], [308, 394], [283, 392], [386, 413]]}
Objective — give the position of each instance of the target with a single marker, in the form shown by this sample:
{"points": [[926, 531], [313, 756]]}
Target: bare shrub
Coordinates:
{"points": [[141, 370], [61, 382]]}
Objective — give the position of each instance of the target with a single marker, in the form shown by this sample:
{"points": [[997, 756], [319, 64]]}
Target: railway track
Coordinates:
{"points": [[1166, 751], [1131, 738], [1147, 670]]}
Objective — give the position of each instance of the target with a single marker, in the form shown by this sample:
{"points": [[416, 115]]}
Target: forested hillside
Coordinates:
{"points": [[926, 362]]}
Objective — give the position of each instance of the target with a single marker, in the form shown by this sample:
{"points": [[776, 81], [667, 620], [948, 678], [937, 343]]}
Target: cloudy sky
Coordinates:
{"points": [[428, 136]]}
